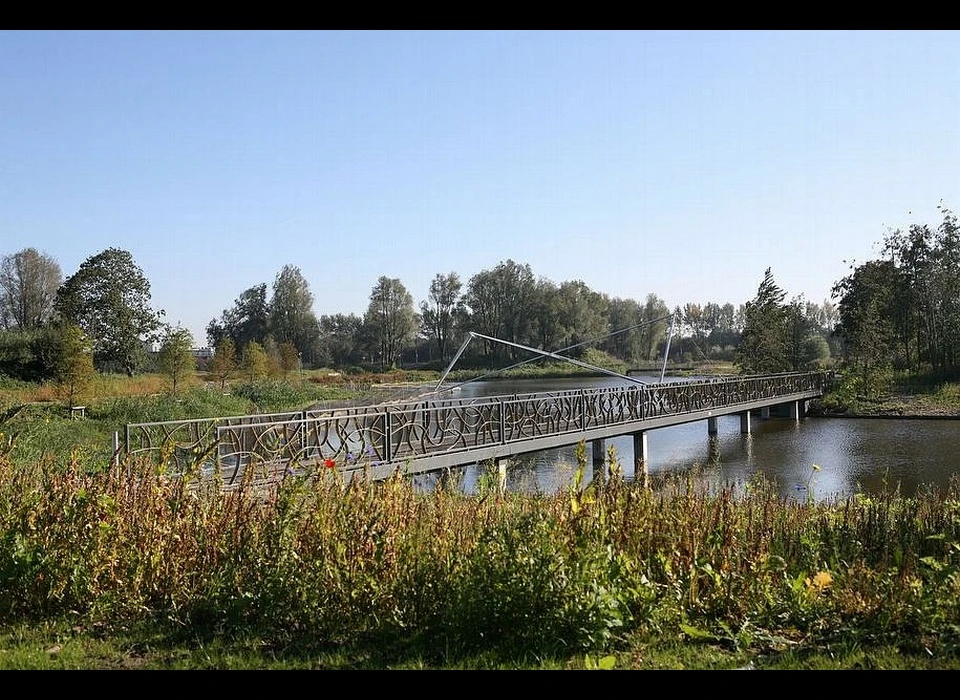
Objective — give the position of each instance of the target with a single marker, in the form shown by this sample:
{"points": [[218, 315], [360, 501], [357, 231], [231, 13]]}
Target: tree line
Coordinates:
{"points": [[901, 311], [104, 311]]}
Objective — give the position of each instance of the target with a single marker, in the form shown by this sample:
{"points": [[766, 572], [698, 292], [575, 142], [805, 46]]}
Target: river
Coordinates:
{"points": [[814, 458]]}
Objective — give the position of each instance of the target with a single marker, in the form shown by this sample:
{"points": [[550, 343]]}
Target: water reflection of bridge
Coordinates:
{"points": [[431, 434]]}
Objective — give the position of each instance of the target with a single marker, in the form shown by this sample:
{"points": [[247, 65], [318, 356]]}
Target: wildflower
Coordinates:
{"points": [[329, 463], [821, 580]]}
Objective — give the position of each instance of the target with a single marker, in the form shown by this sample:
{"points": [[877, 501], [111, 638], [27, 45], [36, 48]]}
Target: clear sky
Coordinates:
{"points": [[678, 163]]}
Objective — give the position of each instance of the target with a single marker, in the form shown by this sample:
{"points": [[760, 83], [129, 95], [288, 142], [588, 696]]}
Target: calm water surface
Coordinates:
{"points": [[854, 455]]}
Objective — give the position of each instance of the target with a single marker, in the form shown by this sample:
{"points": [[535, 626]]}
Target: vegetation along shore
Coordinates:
{"points": [[110, 562]]}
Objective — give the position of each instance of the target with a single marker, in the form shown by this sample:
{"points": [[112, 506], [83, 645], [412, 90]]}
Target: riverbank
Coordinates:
{"points": [[934, 405]]}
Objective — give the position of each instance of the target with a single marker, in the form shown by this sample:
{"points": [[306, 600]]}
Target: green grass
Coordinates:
{"points": [[101, 571], [124, 568]]}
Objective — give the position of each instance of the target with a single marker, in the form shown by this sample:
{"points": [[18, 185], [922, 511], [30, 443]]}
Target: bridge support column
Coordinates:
{"points": [[764, 413], [640, 458], [598, 449], [795, 410], [745, 423], [712, 426]]}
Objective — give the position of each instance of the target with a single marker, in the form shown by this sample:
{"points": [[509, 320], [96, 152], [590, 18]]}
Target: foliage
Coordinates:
{"points": [[28, 287], [500, 304], [292, 319], [255, 363], [224, 362], [320, 572], [268, 396], [109, 298], [339, 344], [69, 356], [289, 358], [764, 345], [903, 310], [390, 321], [439, 313], [248, 320], [176, 356]]}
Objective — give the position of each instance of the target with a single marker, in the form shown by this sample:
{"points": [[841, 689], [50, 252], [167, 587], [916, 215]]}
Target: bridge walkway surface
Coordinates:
{"points": [[418, 436]]}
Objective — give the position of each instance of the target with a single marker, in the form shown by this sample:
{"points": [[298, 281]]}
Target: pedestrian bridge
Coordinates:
{"points": [[434, 433]]}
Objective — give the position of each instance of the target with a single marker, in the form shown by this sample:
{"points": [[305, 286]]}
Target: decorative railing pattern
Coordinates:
{"points": [[397, 433]]}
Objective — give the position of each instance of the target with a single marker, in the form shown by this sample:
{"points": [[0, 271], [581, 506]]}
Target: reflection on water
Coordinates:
{"points": [[854, 455]]}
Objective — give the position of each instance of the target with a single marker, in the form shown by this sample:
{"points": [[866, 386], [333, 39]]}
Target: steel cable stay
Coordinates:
{"points": [[543, 353]]}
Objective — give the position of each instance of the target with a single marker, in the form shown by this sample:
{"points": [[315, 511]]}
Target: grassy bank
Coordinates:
{"points": [[100, 571]]}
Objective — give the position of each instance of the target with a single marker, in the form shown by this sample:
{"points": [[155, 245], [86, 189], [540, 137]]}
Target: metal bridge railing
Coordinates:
{"points": [[395, 433]]}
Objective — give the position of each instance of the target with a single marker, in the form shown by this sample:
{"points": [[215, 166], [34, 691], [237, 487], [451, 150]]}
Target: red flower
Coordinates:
{"points": [[329, 463]]}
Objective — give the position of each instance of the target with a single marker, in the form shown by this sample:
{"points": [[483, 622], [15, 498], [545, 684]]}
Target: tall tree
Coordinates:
{"points": [[390, 319], [438, 312], [548, 330], [655, 319], [109, 299], [248, 320], [340, 340], [624, 315], [291, 311], [584, 313], [945, 286], [764, 345], [28, 288], [176, 357], [868, 303], [501, 304]]}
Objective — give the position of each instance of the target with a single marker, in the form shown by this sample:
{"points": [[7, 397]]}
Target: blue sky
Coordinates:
{"points": [[678, 163]]}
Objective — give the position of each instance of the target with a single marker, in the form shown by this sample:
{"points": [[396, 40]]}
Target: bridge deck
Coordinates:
{"points": [[424, 436]]}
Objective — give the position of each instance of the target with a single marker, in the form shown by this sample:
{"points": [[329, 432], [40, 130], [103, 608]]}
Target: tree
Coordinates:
{"points": [[584, 317], [176, 357], [867, 308], [69, 354], [653, 316], [763, 347], [289, 358], [502, 305], [255, 362], [224, 362], [549, 330], [109, 299], [248, 320], [339, 343], [291, 311], [439, 311], [390, 319], [28, 288]]}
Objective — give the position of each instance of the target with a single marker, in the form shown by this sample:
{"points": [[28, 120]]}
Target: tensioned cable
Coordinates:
{"points": [[556, 354]]}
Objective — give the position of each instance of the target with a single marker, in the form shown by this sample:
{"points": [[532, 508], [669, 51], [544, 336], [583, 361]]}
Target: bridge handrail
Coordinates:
{"points": [[394, 431]]}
